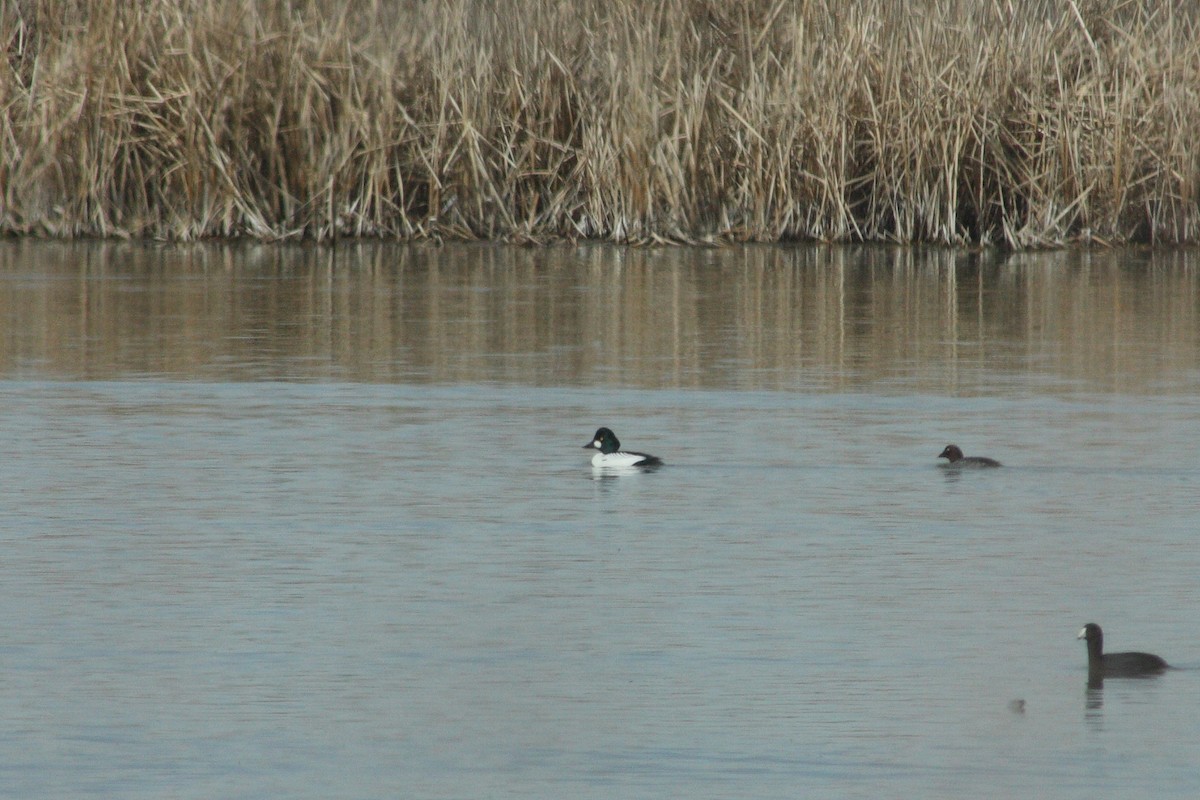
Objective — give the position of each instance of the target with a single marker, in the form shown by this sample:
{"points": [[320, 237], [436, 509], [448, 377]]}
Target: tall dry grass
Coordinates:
{"points": [[1014, 122]]}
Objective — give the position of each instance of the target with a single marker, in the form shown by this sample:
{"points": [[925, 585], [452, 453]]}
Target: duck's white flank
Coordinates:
{"points": [[617, 459]]}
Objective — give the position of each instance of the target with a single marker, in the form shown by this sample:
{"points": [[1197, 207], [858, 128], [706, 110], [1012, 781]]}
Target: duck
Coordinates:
{"points": [[611, 455], [955, 456], [1117, 665]]}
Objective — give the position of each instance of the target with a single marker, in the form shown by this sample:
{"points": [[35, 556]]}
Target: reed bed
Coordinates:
{"points": [[1019, 123]]}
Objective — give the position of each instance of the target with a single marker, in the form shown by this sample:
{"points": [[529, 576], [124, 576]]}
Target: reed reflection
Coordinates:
{"points": [[803, 317]]}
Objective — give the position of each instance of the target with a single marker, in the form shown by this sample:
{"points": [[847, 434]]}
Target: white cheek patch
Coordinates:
{"points": [[596, 444]]}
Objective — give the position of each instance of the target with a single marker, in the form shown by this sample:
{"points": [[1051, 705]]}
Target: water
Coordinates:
{"points": [[312, 523]]}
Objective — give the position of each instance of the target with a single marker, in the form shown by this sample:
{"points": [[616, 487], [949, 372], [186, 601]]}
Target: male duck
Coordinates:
{"points": [[610, 453]]}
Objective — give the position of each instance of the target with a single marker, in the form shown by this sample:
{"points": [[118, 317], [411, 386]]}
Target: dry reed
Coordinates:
{"points": [[1022, 123]]}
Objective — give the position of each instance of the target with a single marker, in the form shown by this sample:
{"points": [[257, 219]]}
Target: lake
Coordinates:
{"points": [[317, 522]]}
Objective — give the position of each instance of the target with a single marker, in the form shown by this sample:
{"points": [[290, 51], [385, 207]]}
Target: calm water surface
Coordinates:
{"points": [[317, 523]]}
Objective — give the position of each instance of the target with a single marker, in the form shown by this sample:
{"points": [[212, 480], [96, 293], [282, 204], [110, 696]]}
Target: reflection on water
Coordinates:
{"points": [[808, 317], [1095, 695]]}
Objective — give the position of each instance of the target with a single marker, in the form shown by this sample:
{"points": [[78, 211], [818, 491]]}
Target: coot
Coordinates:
{"points": [[1116, 665]]}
